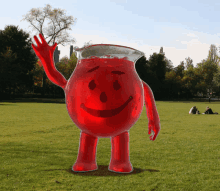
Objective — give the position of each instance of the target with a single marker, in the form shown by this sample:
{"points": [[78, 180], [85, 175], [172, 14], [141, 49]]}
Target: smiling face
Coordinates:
{"points": [[105, 97]]}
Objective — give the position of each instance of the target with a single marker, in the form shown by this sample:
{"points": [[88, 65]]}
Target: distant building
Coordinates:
{"points": [[161, 51], [56, 55], [71, 50]]}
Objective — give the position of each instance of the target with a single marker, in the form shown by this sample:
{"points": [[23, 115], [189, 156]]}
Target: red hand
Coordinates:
{"points": [[43, 50], [153, 128]]}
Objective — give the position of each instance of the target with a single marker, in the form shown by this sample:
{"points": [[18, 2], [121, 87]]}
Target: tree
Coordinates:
{"points": [[214, 59], [142, 68], [158, 65], [172, 84], [6, 60], [144, 72], [189, 62], [210, 69], [206, 70], [38, 74], [156, 75], [180, 69], [213, 56], [216, 81], [190, 80], [55, 32], [21, 78], [201, 86], [169, 65], [71, 65], [57, 27], [66, 66]]}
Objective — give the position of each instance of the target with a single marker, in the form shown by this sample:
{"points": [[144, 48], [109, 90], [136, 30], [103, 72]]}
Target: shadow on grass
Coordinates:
{"points": [[103, 171]]}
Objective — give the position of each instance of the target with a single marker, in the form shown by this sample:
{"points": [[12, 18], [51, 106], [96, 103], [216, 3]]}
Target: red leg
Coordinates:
{"points": [[86, 160], [120, 161]]}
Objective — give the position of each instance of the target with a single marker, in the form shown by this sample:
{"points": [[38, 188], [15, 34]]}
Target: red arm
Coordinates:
{"points": [[45, 54], [52, 73], [152, 114]]}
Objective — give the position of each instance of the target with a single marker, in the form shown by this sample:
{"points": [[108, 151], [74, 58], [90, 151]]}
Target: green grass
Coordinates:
{"points": [[39, 144]]}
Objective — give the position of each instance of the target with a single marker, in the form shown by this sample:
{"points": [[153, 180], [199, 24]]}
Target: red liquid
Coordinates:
{"points": [[107, 100]]}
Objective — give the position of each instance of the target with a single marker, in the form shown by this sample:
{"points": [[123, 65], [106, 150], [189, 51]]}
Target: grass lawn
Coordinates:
{"points": [[39, 144]]}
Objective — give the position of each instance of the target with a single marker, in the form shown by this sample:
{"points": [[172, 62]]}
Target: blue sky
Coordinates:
{"points": [[183, 28]]}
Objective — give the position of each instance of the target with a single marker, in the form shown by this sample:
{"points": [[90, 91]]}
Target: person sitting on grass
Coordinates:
{"points": [[209, 111], [194, 110]]}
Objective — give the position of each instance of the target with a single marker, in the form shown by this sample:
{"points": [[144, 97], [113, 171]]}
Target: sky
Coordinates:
{"points": [[183, 28]]}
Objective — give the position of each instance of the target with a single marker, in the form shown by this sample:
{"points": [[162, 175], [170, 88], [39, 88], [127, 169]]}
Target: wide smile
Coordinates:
{"points": [[106, 113]]}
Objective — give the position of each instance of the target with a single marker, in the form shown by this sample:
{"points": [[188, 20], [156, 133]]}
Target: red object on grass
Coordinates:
{"points": [[104, 98]]}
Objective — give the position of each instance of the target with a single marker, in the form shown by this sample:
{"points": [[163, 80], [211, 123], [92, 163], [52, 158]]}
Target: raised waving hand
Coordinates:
{"points": [[43, 50]]}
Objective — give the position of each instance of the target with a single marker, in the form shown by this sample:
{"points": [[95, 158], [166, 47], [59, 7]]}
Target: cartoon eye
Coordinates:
{"points": [[116, 85], [92, 85]]}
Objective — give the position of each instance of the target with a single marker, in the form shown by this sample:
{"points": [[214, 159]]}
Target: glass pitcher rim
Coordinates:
{"points": [[80, 49]]}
